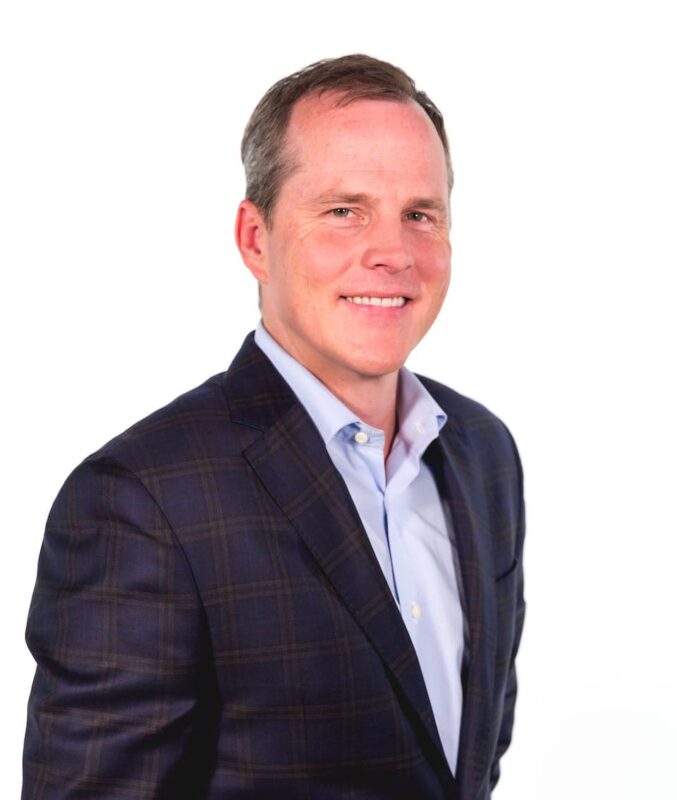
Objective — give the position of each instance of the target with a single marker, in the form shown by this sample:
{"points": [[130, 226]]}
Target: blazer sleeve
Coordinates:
{"points": [[118, 707], [510, 694]]}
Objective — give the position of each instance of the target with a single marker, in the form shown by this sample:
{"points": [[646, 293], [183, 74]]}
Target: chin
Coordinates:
{"points": [[376, 367]]}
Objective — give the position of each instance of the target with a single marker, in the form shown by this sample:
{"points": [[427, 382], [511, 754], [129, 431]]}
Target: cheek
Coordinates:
{"points": [[325, 259], [434, 263], [309, 278]]}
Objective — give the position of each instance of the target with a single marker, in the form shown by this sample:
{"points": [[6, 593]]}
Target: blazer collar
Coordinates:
{"points": [[473, 543], [290, 459]]}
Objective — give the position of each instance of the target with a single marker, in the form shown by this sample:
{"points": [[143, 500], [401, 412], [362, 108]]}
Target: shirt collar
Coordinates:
{"points": [[328, 413], [420, 417]]}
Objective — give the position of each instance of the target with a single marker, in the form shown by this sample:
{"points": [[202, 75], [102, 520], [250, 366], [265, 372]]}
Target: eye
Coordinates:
{"points": [[341, 213], [418, 216]]}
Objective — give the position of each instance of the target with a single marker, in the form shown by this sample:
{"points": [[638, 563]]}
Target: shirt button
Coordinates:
{"points": [[415, 611], [361, 437], [419, 427]]}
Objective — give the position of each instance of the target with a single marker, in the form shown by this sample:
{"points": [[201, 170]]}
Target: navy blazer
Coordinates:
{"points": [[209, 620]]}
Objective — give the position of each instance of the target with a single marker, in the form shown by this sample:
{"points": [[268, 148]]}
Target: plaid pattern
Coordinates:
{"points": [[210, 622]]}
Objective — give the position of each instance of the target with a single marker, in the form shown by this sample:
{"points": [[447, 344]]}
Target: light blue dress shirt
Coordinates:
{"points": [[405, 519]]}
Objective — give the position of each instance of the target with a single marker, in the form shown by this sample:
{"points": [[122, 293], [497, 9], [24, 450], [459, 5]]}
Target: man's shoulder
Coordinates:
{"points": [[470, 419], [201, 424], [179, 431], [459, 406]]}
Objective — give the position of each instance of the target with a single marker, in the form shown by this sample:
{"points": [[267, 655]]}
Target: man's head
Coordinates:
{"points": [[346, 221], [264, 155]]}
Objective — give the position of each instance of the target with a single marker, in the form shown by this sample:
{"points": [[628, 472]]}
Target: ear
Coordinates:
{"points": [[250, 237]]}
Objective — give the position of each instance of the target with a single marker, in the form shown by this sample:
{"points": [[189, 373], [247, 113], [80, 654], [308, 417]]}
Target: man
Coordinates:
{"points": [[302, 579]]}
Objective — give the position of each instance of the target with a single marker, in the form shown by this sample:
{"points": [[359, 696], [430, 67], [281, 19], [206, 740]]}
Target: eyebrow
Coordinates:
{"points": [[429, 203]]}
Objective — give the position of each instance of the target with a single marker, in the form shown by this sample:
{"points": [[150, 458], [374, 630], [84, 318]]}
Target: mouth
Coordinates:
{"points": [[393, 301]]}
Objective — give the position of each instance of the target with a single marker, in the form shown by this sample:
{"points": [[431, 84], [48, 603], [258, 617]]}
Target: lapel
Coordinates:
{"points": [[291, 461], [463, 487]]}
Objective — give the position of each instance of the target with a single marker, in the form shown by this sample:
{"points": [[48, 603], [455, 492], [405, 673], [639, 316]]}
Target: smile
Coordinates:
{"points": [[386, 302]]}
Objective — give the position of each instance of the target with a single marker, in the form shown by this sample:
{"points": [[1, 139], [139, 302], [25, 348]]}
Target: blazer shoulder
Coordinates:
{"points": [[187, 428], [472, 420]]}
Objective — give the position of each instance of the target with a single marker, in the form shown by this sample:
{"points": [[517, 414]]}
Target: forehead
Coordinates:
{"points": [[366, 135]]}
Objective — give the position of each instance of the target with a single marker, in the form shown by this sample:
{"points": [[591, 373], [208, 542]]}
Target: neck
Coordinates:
{"points": [[372, 397]]}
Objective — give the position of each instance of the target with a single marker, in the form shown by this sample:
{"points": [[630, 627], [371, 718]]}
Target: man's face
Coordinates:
{"points": [[356, 263]]}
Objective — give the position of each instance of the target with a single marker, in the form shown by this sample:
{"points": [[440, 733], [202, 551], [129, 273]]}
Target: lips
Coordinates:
{"points": [[396, 301]]}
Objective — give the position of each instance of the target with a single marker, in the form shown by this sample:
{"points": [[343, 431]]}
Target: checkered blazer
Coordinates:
{"points": [[209, 620]]}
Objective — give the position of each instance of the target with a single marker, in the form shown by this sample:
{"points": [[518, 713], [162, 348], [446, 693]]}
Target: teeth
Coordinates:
{"points": [[378, 301]]}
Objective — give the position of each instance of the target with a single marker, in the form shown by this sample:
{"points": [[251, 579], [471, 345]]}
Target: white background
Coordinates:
{"points": [[122, 287]]}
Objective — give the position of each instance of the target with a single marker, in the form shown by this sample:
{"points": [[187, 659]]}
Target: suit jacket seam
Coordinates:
{"points": [[156, 503]]}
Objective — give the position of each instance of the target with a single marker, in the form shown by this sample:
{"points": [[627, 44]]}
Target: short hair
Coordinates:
{"points": [[354, 77]]}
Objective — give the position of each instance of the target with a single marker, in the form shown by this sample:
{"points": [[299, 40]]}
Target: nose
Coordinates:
{"points": [[387, 245]]}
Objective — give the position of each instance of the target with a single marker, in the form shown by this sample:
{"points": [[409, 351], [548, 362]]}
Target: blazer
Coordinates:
{"points": [[209, 620]]}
